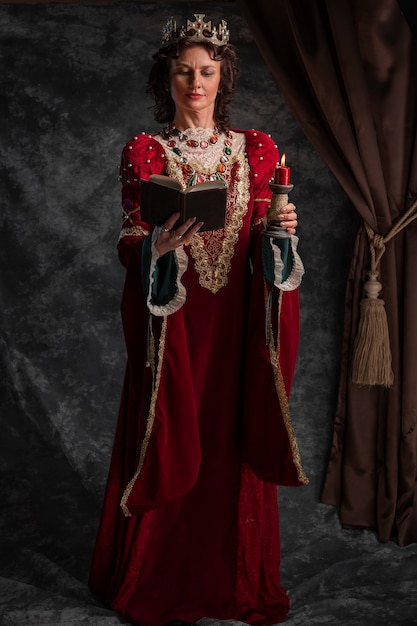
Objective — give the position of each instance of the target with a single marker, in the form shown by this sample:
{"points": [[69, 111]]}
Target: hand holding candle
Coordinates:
{"points": [[282, 173], [280, 188]]}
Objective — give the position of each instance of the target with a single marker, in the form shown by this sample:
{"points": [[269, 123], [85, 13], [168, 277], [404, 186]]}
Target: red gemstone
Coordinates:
{"points": [[213, 139], [171, 143], [192, 143], [204, 144]]}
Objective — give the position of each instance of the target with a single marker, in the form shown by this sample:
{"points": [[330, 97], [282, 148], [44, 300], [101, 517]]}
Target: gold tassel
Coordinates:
{"points": [[372, 364]]}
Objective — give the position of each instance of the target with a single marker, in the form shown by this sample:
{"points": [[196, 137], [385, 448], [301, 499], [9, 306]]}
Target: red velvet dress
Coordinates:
{"points": [[189, 525]]}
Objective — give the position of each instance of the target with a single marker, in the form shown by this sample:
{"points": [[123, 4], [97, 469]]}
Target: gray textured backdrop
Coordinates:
{"points": [[72, 93]]}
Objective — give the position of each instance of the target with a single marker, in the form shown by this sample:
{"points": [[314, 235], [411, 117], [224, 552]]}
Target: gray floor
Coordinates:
{"points": [[333, 576]]}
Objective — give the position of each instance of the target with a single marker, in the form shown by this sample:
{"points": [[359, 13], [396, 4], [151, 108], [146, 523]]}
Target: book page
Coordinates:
{"points": [[165, 181], [207, 185]]}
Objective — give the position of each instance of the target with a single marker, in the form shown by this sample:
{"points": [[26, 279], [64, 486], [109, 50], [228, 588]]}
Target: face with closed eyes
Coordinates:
{"points": [[194, 83]]}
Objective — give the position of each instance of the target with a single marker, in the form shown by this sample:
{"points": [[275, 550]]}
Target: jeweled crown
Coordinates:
{"points": [[198, 31]]}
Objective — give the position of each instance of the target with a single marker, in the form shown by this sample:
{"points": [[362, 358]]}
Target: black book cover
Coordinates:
{"points": [[161, 196]]}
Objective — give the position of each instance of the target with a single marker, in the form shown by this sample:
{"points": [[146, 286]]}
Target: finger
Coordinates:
{"points": [[289, 211], [288, 208], [184, 236], [290, 217], [187, 224], [192, 231], [289, 227], [175, 235], [189, 228], [178, 232], [170, 223]]}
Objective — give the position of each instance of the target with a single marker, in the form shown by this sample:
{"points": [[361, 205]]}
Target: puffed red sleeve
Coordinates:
{"points": [[263, 156], [141, 157]]}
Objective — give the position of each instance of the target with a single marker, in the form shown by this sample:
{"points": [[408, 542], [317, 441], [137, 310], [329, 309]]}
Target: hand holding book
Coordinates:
{"points": [[171, 238]]}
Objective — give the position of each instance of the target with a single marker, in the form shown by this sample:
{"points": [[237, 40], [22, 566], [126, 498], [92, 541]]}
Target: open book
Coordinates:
{"points": [[161, 196]]}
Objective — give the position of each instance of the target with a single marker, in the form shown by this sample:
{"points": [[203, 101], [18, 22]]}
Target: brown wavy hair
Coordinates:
{"points": [[158, 81]]}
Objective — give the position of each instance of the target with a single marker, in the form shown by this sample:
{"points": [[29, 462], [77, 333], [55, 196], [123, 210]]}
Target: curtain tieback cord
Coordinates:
{"points": [[372, 361]]}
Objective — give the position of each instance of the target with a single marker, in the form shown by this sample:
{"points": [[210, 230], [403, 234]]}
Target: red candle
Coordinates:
{"points": [[282, 173]]}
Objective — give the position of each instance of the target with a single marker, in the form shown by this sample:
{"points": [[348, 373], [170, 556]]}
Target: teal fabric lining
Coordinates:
{"points": [[165, 275], [268, 264], [268, 260]]}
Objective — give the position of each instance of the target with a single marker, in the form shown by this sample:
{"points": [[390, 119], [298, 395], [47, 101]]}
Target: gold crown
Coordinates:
{"points": [[199, 30]]}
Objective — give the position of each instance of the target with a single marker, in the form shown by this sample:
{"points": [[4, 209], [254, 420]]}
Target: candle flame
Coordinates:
{"points": [[283, 160]]}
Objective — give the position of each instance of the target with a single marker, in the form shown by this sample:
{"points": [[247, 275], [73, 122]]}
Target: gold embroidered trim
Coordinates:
{"points": [[213, 250], [282, 394], [133, 231], [260, 220], [151, 415], [262, 200]]}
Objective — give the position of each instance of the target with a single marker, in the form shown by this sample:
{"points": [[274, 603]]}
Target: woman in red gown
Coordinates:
{"points": [[189, 525]]}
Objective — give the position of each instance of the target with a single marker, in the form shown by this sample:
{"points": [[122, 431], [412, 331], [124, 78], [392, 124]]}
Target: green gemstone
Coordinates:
{"points": [[192, 179], [177, 151], [228, 150]]}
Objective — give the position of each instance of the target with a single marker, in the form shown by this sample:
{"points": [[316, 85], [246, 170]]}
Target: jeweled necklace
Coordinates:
{"points": [[171, 134]]}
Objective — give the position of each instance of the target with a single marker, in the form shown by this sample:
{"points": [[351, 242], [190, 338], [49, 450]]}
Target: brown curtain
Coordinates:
{"points": [[348, 69]]}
